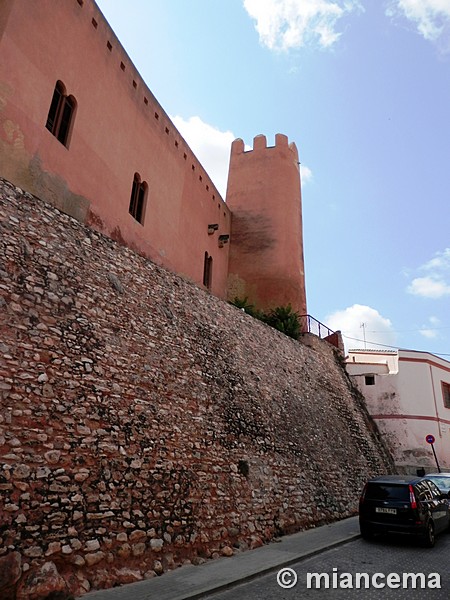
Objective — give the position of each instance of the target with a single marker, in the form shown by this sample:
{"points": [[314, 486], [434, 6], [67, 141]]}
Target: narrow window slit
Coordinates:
{"points": [[138, 199]]}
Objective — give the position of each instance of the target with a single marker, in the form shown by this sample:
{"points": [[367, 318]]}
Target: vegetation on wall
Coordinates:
{"points": [[282, 318], [285, 319], [250, 309]]}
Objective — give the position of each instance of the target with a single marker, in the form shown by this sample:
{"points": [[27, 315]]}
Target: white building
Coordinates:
{"points": [[408, 395]]}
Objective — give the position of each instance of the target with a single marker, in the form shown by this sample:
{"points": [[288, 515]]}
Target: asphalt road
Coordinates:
{"points": [[385, 556]]}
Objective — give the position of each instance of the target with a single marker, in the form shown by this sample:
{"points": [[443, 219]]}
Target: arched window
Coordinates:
{"points": [[138, 199], [61, 114], [207, 271]]}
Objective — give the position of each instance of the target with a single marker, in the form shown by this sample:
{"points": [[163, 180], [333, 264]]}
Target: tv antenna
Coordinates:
{"points": [[363, 325]]}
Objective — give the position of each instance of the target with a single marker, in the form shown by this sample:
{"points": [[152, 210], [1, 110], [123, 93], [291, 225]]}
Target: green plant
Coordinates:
{"points": [[241, 303], [244, 304], [285, 319]]}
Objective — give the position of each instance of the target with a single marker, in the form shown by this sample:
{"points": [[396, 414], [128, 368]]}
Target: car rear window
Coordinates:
{"points": [[384, 491]]}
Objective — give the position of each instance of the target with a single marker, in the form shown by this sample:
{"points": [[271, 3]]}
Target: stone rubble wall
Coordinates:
{"points": [[145, 423]]}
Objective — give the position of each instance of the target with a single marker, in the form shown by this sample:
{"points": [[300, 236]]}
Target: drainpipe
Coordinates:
{"points": [[435, 403]]}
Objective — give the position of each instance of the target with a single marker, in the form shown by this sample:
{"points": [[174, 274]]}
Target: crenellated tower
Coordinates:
{"points": [[266, 251]]}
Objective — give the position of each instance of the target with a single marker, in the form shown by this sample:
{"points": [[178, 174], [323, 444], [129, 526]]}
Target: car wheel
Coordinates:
{"points": [[429, 537]]}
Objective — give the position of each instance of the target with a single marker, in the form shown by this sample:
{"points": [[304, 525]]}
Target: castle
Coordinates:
{"points": [[80, 129], [143, 421]]}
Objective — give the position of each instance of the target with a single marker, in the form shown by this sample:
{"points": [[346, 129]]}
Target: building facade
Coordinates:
{"points": [[79, 128], [408, 395]]}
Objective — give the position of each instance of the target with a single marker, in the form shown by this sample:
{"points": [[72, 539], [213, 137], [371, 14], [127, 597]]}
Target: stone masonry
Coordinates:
{"points": [[145, 423]]}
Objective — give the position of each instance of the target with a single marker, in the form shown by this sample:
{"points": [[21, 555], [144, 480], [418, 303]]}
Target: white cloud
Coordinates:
{"points": [[441, 261], [305, 174], [286, 24], [431, 17], [436, 282], [358, 322], [430, 330], [210, 145], [429, 287]]}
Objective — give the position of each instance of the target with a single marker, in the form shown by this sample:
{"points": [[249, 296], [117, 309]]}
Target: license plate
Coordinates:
{"points": [[386, 511]]}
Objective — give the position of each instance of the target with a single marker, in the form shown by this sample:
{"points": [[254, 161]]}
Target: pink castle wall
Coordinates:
{"points": [[119, 129]]}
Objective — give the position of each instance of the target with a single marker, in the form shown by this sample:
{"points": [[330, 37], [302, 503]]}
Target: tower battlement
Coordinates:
{"points": [[260, 143]]}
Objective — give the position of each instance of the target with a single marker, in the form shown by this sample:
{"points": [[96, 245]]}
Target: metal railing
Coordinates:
{"points": [[311, 325]]}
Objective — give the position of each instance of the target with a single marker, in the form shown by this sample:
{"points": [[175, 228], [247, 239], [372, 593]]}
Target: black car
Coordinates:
{"points": [[442, 480], [403, 504]]}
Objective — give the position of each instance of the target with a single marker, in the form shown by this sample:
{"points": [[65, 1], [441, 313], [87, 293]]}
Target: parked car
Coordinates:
{"points": [[442, 480], [403, 505]]}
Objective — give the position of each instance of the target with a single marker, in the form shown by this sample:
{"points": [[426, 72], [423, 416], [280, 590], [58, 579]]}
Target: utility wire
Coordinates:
{"points": [[409, 330], [393, 347], [372, 343]]}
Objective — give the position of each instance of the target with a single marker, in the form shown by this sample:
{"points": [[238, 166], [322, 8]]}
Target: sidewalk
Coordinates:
{"points": [[191, 582]]}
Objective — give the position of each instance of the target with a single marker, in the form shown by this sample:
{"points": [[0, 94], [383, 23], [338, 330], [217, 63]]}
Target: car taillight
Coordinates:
{"points": [[412, 498], [363, 493]]}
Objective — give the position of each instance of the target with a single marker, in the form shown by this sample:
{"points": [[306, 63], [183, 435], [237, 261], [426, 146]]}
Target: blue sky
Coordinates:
{"points": [[363, 88]]}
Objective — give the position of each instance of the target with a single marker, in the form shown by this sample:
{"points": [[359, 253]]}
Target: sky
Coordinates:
{"points": [[363, 89]]}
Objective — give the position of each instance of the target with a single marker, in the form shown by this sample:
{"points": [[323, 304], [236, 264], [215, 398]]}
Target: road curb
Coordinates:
{"points": [[213, 589]]}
